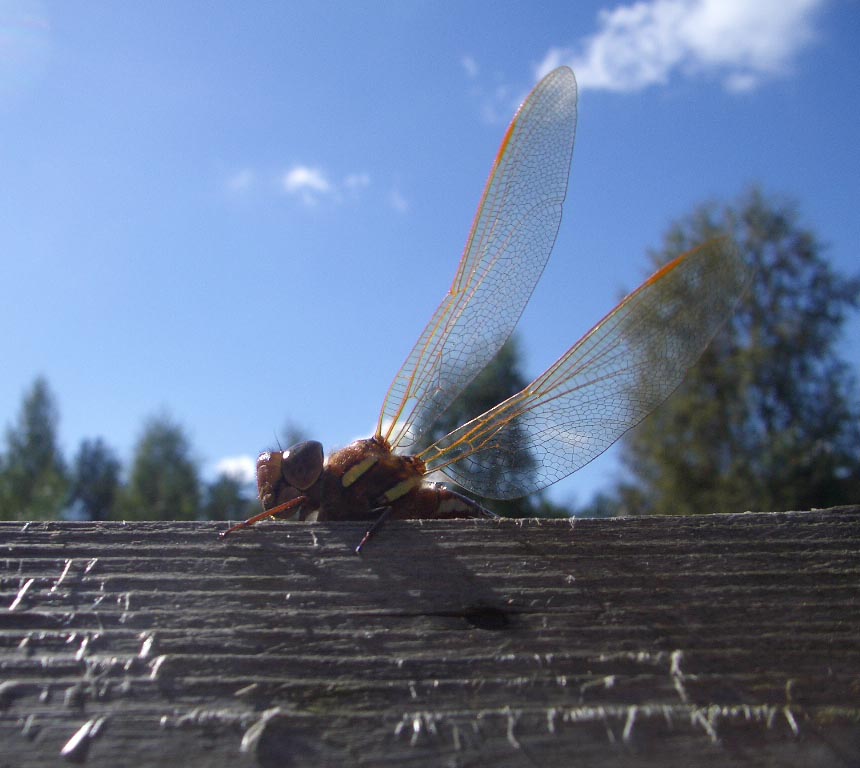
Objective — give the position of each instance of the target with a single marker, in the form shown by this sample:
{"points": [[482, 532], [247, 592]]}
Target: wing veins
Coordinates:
{"points": [[623, 392], [414, 399]]}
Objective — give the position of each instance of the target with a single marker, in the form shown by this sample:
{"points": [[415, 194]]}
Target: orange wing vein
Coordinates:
{"points": [[511, 238]]}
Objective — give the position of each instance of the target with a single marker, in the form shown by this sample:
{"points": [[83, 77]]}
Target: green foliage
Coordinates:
{"points": [[768, 419], [164, 482], [95, 481], [33, 481], [291, 434], [226, 500], [497, 382]]}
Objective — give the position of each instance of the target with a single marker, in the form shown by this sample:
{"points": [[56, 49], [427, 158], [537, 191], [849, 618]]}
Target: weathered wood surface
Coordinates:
{"points": [[713, 641]]}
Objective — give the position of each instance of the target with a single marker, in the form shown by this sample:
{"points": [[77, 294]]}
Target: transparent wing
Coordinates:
{"points": [[607, 382], [511, 239]]}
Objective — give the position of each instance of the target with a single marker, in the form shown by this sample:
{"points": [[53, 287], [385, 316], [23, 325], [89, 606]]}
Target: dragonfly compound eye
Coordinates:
{"points": [[302, 464]]}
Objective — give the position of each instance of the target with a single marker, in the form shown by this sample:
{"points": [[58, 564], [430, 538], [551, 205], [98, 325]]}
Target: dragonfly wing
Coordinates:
{"points": [[605, 384], [509, 244]]}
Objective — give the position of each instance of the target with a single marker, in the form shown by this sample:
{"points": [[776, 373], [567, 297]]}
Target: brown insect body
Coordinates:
{"points": [[357, 482]]}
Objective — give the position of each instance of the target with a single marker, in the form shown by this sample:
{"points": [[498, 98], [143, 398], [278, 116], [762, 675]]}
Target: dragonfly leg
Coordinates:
{"points": [[385, 514], [278, 511]]}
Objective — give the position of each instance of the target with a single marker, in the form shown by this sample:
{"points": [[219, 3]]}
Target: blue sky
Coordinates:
{"points": [[242, 214]]}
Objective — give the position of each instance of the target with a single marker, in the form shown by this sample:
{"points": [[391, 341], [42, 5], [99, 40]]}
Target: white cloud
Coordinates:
{"points": [[398, 202], [356, 181], [643, 44], [240, 468], [304, 180], [312, 184], [470, 66]]}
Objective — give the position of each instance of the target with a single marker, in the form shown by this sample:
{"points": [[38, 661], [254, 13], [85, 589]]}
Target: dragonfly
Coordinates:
{"points": [[604, 385]]}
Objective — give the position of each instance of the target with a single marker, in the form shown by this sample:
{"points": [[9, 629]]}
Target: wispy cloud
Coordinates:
{"points": [[241, 181], [743, 43], [356, 181], [496, 103], [240, 468], [311, 184], [398, 202], [470, 66], [306, 182]]}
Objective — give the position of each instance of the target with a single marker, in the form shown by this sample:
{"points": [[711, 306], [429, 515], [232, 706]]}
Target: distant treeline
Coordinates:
{"points": [[163, 481]]}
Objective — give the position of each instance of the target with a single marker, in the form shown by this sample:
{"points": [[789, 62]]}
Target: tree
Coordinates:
{"points": [[95, 481], [226, 500], [33, 483], [768, 419], [164, 483], [497, 382], [291, 434]]}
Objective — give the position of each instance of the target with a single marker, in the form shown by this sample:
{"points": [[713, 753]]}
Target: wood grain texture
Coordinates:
{"points": [[709, 641]]}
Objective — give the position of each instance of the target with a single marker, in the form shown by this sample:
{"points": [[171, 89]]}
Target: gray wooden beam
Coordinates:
{"points": [[708, 641]]}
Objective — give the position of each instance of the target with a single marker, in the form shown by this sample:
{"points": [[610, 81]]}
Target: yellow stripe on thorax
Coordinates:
{"points": [[357, 470], [401, 489]]}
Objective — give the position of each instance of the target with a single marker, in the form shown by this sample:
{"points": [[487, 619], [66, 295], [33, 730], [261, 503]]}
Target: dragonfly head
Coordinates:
{"points": [[286, 475]]}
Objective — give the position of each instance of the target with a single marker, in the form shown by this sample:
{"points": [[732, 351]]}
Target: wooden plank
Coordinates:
{"points": [[715, 640]]}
